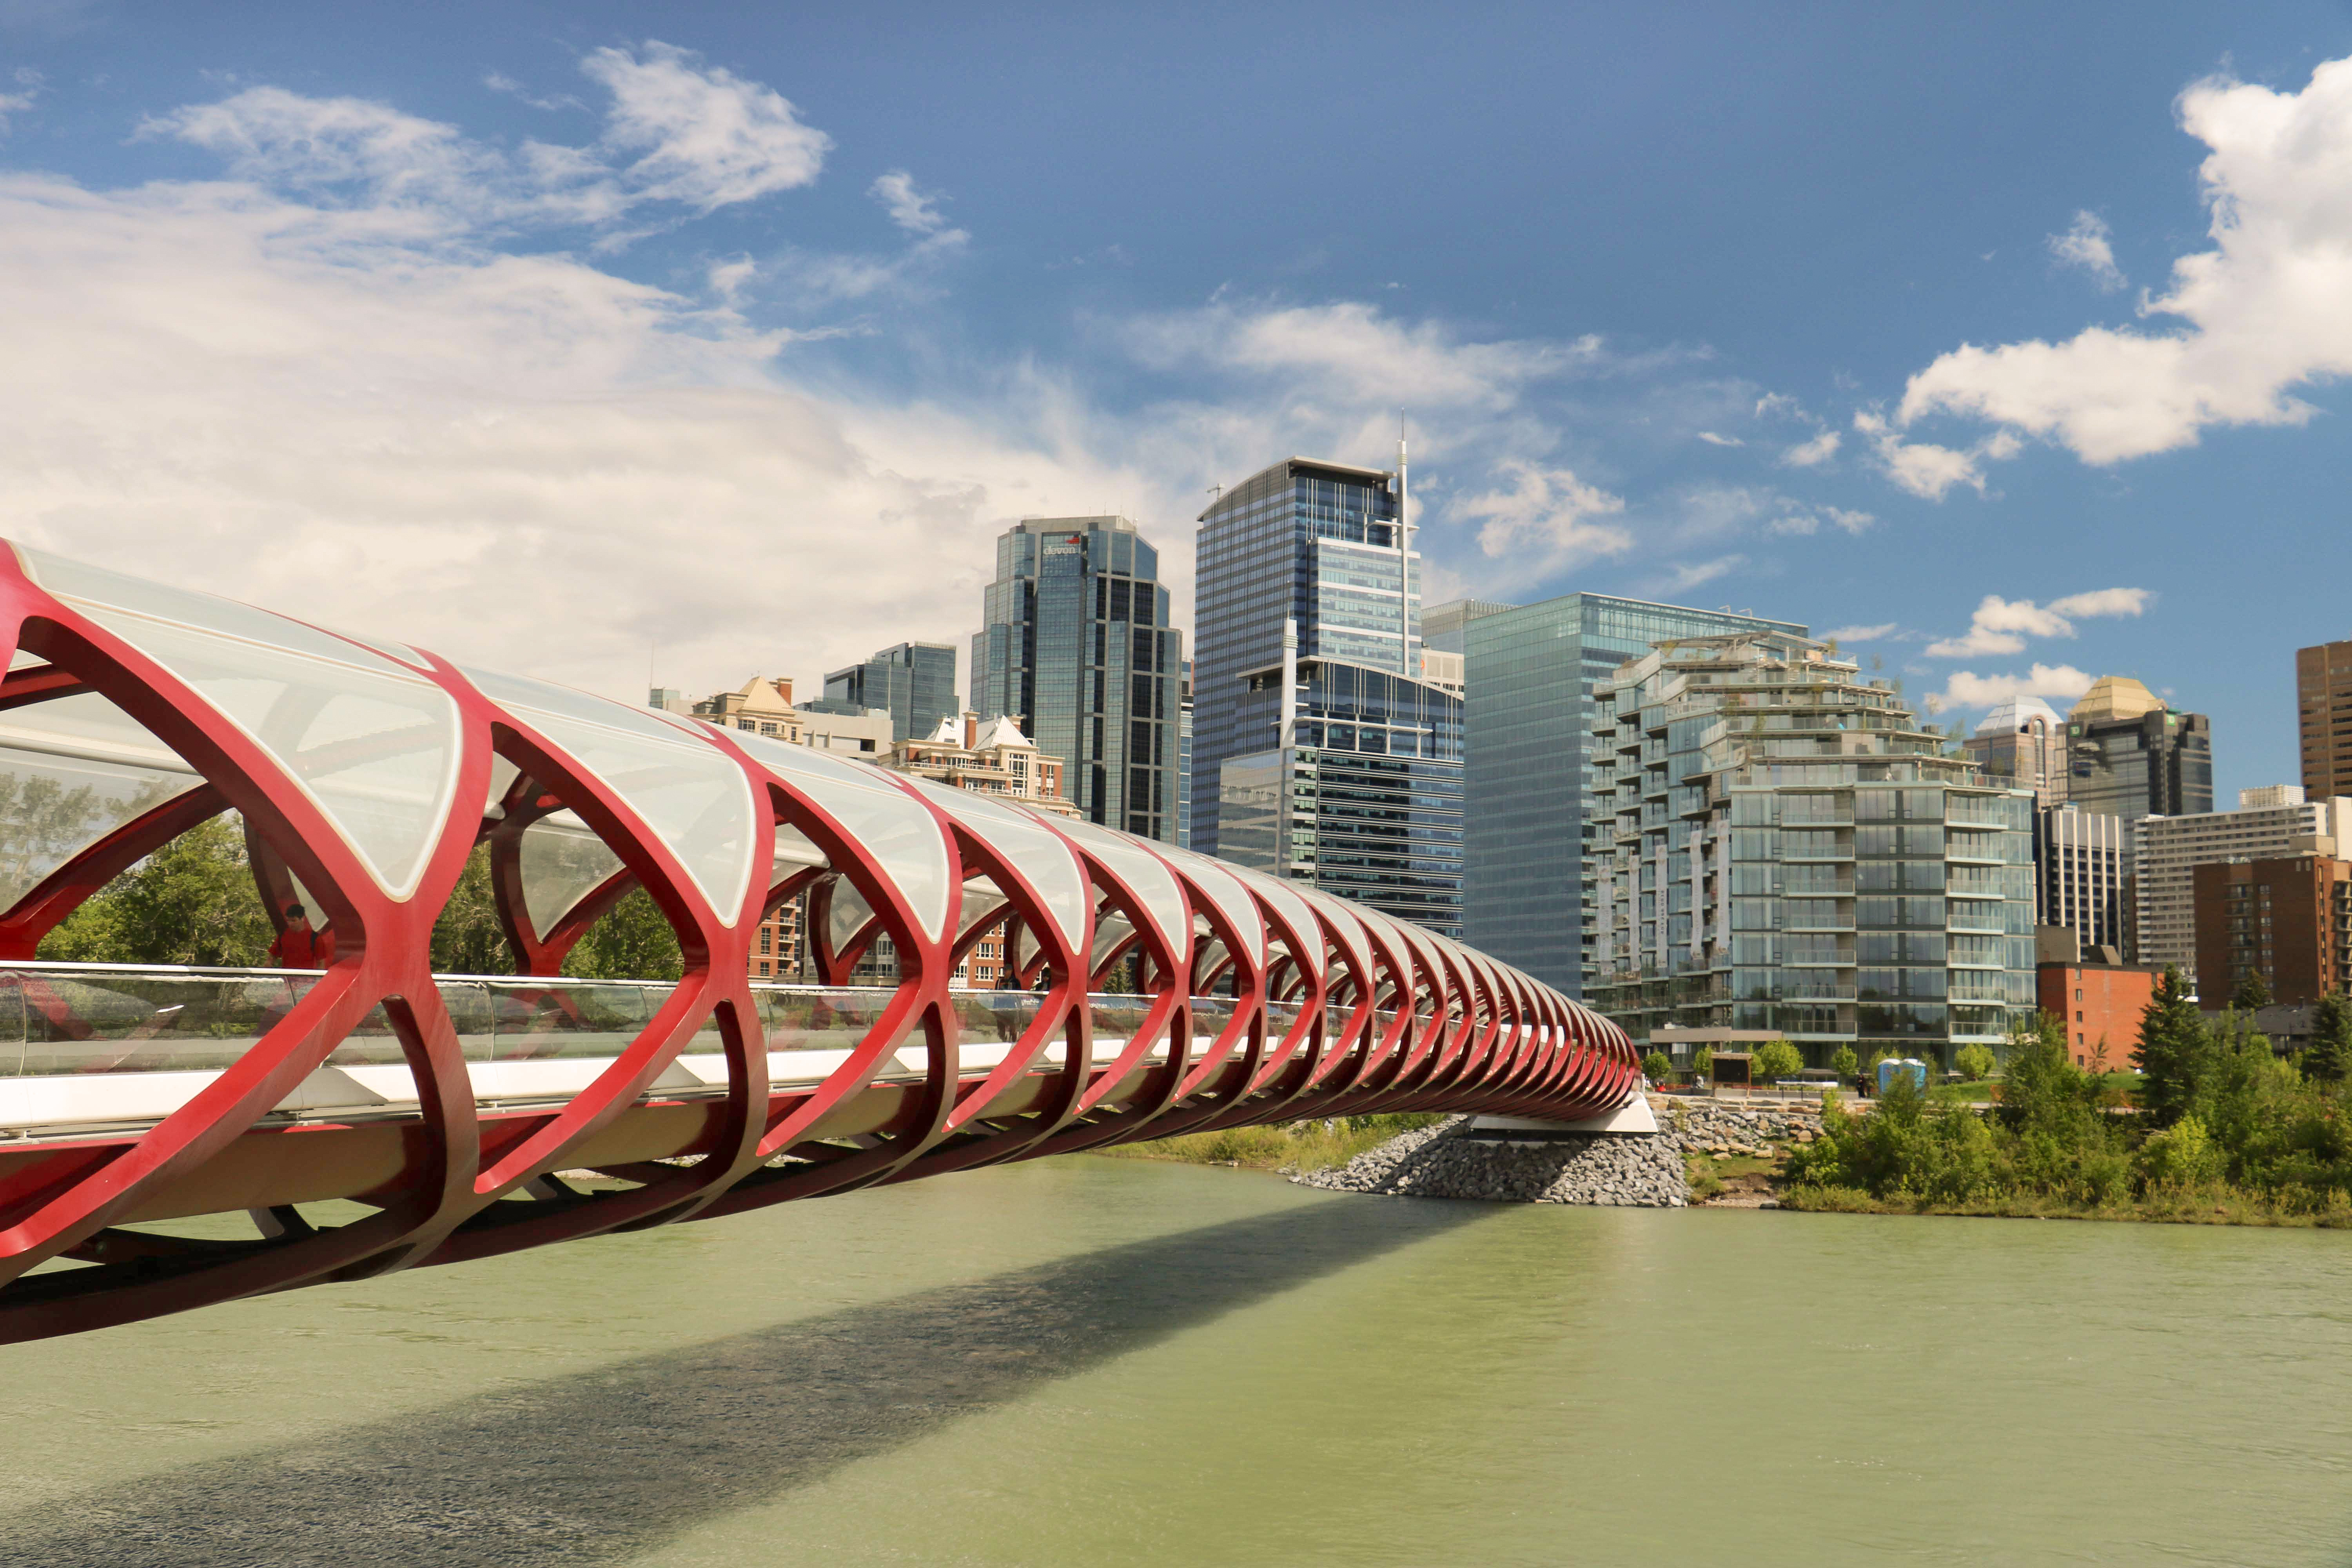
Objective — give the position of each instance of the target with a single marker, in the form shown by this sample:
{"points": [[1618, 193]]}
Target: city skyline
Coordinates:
{"points": [[813, 301]]}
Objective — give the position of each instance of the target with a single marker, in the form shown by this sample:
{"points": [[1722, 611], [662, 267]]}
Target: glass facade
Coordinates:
{"points": [[1075, 642], [915, 681], [1530, 672], [2155, 765], [1369, 792], [1779, 846]]}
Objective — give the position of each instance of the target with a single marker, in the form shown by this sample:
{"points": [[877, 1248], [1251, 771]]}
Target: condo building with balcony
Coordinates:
{"points": [[1779, 844]]}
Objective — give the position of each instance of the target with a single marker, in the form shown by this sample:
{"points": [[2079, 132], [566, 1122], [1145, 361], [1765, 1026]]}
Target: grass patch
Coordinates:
{"points": [[1316, 1145]]}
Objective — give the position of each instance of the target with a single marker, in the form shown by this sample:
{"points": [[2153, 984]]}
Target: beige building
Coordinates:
{"points": [[2272, 823]]}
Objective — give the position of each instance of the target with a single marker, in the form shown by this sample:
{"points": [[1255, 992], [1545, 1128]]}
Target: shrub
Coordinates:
{"points": [[2183, 1155], [1844, 1063], [1975, 1062], [1656, 1068]]}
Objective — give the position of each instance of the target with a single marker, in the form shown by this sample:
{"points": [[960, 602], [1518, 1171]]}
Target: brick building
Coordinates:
{"points": [[2098, 996], [2289, 920]]}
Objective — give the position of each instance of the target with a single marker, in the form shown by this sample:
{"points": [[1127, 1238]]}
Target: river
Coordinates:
{"points": [[1098, 1361]]}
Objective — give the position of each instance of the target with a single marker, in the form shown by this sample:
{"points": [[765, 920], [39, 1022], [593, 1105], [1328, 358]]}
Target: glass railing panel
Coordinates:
{"points": [[539, 1020], [1002, 1015], [144, 1021], [813, 1018]]}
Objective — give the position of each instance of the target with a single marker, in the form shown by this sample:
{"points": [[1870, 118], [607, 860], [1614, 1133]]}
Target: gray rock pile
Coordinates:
{"points": [[1641, 1171]]}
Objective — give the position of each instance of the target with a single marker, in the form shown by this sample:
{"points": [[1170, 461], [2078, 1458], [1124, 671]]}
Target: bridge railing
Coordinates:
{"points": [[58, 1019]]}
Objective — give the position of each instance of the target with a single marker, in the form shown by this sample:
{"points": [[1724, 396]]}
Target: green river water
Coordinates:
{"points": [[1099, 1362]]}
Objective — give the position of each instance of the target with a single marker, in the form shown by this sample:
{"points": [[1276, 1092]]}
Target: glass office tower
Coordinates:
{"points": [[914, 680], [1530, 673], [1361, 793], [1783, 847], [1075, 642]]}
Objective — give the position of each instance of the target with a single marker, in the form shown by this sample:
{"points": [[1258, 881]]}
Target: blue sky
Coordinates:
{"points": [[589, 340]]}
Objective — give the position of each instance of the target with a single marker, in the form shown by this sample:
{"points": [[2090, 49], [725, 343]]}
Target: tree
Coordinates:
{"points": [[192, 901], [1975, 1062], [1702, 1063], [633, 941], [2253, 991], [1844, 1063], [2172, 1046], [2330, 1056], [1656, 1068], [1776, 1059], [467, 936]]}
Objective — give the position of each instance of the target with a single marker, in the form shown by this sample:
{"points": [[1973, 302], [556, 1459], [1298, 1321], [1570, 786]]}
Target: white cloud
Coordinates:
{"points": [[2002, 625], [1550, 510], [1812, 454], [2086, 245], [1360, 352], [520, 460], [1925, 470], [1879, 632], [1807, 521], [29, 82], [1712, 439], [499, 81], [2267, 309], [673, 133], [706, 137], [2103, 602], [1969, 689], [916, 211], [1691, 575]]}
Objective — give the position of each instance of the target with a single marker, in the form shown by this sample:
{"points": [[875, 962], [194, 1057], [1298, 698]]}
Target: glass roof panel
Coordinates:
{"points": [[1046, 859], [1295, 909], [72, 770], [373, 744], [897, 832], [688, 791], [982, 899], [96, 585], [563, 862], [1154, 883], [1225, 890]]}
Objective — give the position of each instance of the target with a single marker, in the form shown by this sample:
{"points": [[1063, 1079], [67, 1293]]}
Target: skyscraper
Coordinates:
{"points": [[2024, 738], [1344, 766], [1075, 642], [1530, 673], [2131, 756], [2323, 700], [914, 680]]}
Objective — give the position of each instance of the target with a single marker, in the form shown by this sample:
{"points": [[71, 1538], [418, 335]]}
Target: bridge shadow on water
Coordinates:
{"points": [[605, 1464]]}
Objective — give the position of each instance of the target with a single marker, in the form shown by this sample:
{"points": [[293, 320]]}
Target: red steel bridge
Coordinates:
{"points": [[355, 1113]]}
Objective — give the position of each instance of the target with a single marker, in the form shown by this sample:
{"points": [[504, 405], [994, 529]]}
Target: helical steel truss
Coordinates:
{"points": [[366, 772]]}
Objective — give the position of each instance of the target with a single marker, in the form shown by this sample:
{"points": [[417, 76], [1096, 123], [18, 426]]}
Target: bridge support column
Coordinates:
{"points": [[1633, 1117]]}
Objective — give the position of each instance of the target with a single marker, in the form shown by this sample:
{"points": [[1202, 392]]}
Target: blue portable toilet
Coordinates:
{"points": [[1912, 1067]]}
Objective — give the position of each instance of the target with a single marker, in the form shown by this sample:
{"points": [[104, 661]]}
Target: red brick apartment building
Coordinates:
{"points": [[2288, 919], [2101, 1004]]}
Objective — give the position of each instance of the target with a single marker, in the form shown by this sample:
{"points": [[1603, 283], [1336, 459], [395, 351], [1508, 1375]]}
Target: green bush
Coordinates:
{"points": [[1975, 1062], [1843, 1062], [1656, 1068], [2183, 1155]]}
